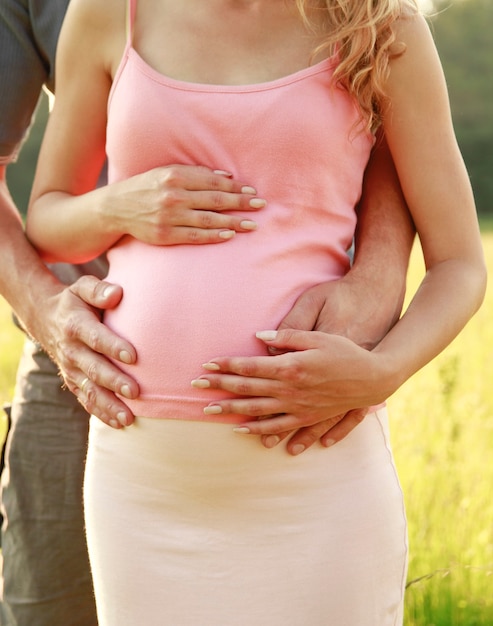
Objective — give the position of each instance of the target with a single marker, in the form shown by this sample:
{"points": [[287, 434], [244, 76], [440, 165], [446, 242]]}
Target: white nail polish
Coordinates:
{"points": [[223, 173], [213, 410], [257, 203], [213, 367], [248, 225], [248, 189], [266, 335], [201, 383], [226, 234]]}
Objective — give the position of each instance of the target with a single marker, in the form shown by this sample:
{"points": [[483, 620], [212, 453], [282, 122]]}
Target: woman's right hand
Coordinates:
{"points": [[180, 204], [165, 206]]}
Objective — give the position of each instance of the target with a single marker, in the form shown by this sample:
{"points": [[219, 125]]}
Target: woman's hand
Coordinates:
{"points": [[176, 204], [318, 379], [182, 204], [357, 307]]}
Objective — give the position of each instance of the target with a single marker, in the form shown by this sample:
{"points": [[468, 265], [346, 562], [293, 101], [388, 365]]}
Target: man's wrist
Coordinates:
{"points": [[31, 305]]}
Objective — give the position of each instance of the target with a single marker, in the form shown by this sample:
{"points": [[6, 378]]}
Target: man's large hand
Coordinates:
{"points": [[83, 347], [344, 307]]}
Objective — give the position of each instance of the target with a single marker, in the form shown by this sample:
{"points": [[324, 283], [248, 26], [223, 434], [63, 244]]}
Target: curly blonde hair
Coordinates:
{"points": [[361, 32]]}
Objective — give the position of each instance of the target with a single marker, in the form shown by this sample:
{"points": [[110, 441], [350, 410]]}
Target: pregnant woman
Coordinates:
{"points": [[189, 522]]}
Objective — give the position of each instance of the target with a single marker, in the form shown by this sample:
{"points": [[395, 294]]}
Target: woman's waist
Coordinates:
{"points": [[181, 309], [206, 284], [172, 348], [193, 293], [169, 405]]}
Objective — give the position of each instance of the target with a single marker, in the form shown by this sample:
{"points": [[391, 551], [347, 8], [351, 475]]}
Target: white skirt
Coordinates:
{"points": [[191, 524]]}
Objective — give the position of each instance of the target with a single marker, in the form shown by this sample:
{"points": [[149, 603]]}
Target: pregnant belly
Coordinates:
{"points": [[184, 305]]}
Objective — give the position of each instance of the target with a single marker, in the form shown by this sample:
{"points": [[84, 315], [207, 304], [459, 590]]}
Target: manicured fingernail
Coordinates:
{"points": [[125, 391], [328, 442], [248, 189], [227, 234], [257, 203], [201, 383], [122, 418], [125, 356], [243, 430], [266, 335], [215, 409], [211, 366], [298, 449], [248, 225], [271, 441], [223, 173], [114, 423]]}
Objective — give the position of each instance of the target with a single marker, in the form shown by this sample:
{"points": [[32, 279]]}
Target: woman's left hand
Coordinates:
{"points": [[303, 383], [317, 382]]}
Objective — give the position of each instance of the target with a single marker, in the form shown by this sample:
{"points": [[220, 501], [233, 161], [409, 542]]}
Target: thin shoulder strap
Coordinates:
{"points": [[131, 10]]}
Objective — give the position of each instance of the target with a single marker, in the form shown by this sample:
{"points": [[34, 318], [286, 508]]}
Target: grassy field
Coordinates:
{"points": [[442, 432], [11, 339]]}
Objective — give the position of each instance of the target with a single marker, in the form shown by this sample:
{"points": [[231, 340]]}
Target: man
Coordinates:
{"points": [[46, 572]]}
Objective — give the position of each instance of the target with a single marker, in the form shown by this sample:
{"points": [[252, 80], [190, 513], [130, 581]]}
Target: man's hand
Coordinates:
{"points": [[66, 321], [82, 346]]}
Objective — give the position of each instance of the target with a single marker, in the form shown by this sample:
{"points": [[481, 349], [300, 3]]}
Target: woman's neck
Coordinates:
{"points": [[223, 41]]}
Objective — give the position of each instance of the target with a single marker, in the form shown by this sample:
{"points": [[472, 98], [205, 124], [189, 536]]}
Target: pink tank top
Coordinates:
{"points": [[295, 140]]}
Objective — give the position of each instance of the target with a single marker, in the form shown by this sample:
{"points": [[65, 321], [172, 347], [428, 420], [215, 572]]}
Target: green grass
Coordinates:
{"points": [[486, 222], [442, 433], [11, 340]]}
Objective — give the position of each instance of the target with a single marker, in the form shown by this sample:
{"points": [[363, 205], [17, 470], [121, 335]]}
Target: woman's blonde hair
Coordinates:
{"points": [[361, 32]]}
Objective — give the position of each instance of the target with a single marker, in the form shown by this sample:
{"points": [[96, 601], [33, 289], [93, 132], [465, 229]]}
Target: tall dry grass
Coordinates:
{"points": [[442, 433]]}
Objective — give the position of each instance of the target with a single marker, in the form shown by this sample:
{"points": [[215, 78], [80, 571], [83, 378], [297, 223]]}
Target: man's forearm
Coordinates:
{"points": [[385, 231], [24, 280]]}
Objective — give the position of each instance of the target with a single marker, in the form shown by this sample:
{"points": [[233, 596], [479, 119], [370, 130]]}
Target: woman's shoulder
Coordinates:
{"points": [[99, 16], [415, 56], [410, 28], [94, 31]]}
